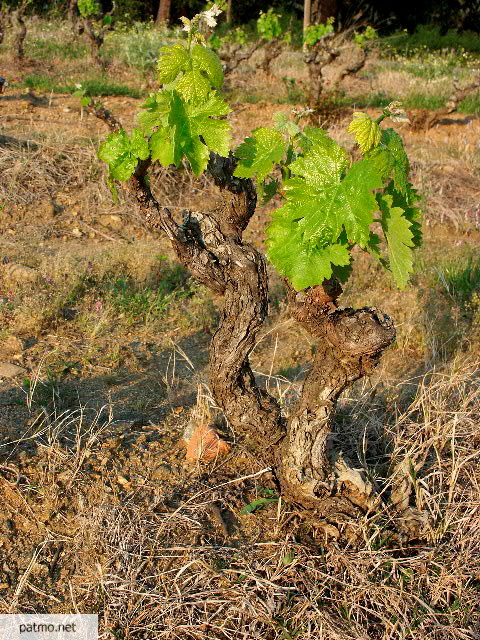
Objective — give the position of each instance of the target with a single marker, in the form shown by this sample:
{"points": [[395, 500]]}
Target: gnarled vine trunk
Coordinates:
{"points": [[96, 38], [20, 33], [349, 345], [328, 62]]}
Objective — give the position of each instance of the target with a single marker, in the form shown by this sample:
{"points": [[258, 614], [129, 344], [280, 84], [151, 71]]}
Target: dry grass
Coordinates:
{"points": [[152, 557]]}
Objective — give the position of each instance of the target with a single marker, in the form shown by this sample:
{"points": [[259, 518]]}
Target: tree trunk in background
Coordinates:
{"points": [[72, 11], [163, 15], [307, 13], [229, 13], [322, 10]]}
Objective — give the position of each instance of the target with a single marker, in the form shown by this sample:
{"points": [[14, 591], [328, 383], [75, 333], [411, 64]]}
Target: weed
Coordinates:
{"points": [[294, 92], [137, 45], [423, 101], [471, 104], [47, 49], [97, 86], [460, 282], [429, 37]]}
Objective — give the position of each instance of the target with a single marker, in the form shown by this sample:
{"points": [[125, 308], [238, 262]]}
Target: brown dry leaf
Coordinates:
{"points": [[205, 444]]}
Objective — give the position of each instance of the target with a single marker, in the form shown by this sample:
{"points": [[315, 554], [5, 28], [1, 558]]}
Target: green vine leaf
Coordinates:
{"points": [[157, 107], [206, 61], [325, 199], [366, 131], [285, 125], [399, 159], [174, 60], [398, 232], [303, 265], [122, 152], [390, 159], [162, 146], [187, 129], [193, 86], [259, 153]]}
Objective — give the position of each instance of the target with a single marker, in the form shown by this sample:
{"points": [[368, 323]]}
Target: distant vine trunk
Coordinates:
{"points": [[322, 10], [96, 38], [72, 14], [337, 53], [229, 16], [3, 22], [20, 33]]}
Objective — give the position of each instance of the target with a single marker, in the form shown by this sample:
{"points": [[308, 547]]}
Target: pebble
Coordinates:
{"points": [[19, 272], [8, 370], [11, 346]]}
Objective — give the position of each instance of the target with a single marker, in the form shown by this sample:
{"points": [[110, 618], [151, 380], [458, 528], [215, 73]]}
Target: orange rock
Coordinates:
{"points": [[205, 444]]}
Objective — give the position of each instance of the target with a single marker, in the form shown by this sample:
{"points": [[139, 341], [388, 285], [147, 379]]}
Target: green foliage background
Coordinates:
{"points": [[446, 14]]}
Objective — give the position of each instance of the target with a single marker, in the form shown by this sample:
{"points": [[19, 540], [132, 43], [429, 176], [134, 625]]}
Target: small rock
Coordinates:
{"points": [[162, 471], [76, 232], [11, 346], [124, 482], [69, 314], [205, 445], [19, 272], [8, 370]]}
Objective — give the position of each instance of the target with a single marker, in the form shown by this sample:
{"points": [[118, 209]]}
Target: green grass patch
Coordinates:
{"points": [[143, 303], [423, 101], [99, 86], [459, 281], [378, 100], [137, 45], [471, 104], [136, 300], [413, 101], [46, 49], [429, 37]]}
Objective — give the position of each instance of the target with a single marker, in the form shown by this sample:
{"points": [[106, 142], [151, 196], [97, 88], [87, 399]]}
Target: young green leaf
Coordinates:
{"points": [[206, 61], [304, 265], [399, 159], [325, 200], [366, 131], [122, 153], [193, 86], [174, 59], [259, 153], [255, 505], [138, 145], [285, 125], [157, 107], [191, 130], [162, 146]]}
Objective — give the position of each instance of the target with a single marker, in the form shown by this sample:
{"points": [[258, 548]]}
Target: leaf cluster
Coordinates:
{"points": [[330, 202], [89, 8], [184, 120], [316, 32], [269, 25]]}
